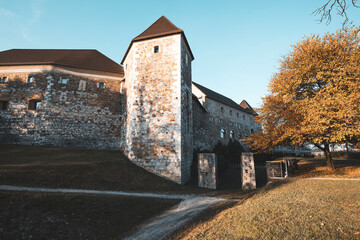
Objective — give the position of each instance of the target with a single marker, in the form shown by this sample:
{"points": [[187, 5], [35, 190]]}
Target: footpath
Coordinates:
{"points": [[159, 227]]}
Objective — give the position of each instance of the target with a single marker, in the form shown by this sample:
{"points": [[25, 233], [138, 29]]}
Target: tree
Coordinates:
{"points": [[315, 96], [340, 5]]}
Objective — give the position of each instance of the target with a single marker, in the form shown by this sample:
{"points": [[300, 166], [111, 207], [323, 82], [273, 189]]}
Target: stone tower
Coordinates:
{"points": [[159, 101]]}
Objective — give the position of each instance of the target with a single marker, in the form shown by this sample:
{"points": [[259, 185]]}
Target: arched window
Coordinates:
{"points": [[232, 134], [222, 133]]}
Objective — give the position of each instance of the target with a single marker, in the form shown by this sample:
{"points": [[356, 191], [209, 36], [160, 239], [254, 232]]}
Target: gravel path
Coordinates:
{"points": [[159, 227]]}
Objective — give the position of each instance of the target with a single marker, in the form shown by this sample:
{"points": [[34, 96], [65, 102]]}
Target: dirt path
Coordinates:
{"points": [[157, 228]]}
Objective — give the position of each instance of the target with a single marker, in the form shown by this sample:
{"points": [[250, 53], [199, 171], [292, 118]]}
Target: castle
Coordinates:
{"points": [[148, 107]]}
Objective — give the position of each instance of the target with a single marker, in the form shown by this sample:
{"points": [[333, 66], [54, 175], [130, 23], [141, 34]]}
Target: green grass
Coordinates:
{"points": [[70, 216], [293, 209], [81, 169]]}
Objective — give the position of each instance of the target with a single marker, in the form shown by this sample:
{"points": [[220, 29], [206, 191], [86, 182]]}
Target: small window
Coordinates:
{"points": [[244, 117], [34, 104], [222, 110], [222, 133], [237, 114], [3, 79], [101, 85], [251, 131], [30, 79], [156, 49], [230, 113], [232, 134], [4, 105], [64, 80]]}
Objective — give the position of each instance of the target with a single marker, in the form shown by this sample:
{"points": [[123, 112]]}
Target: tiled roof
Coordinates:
{"points": [[85, 59], [221, 98], [245, 105], [160, 28]]}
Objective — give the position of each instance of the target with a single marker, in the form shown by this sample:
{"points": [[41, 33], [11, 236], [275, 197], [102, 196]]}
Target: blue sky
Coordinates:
{"points": [[237, 44]]}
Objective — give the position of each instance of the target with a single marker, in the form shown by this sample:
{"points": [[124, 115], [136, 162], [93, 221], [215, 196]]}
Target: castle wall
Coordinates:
{"points": [[208, 124], [154, 121], [66, 116], [186, 113]]}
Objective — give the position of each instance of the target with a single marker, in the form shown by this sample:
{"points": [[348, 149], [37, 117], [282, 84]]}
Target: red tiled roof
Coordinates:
{"points": [[85, 59], [160, 28]]}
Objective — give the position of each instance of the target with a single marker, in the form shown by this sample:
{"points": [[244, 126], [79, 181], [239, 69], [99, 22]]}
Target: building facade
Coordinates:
{"points": [[148, 107]]}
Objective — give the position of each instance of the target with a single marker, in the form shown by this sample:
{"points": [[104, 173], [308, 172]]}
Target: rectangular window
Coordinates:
{"points": [[156, 49], [3, 79], [30, 79], [230, 113], [101, 85], [64, 80], [4, 105], [34, 104]]}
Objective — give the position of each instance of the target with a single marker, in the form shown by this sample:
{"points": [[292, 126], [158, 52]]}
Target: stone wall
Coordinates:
{"points": [[186, 113], [210, 117], [156, 85], [68, 114]]}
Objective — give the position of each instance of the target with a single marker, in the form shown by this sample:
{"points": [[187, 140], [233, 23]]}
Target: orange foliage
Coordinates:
{"points": [[315, 96]]}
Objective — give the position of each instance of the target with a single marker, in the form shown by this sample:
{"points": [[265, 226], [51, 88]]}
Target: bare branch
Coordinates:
{"points": [[327, 9]]}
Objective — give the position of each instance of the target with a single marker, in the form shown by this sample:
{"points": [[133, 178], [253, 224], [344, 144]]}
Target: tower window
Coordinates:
{"points": [[231, 134], [34, 104], [156, 49], [4, 104]]}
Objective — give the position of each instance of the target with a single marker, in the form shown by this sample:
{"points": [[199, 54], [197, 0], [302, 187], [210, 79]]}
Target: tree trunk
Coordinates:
{"points": [[329, 161]]}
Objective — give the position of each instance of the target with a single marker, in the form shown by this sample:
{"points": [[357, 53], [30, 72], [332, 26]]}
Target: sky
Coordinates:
{"points": [[237, 44]]}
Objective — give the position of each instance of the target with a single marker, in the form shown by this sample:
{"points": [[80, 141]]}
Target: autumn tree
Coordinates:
{"points": [[315, 96]]}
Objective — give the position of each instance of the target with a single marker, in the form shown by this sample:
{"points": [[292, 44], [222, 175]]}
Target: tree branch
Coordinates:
{"points": [[326, 10]]}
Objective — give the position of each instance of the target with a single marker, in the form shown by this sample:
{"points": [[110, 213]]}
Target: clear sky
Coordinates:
{"points": [[237, 44]]}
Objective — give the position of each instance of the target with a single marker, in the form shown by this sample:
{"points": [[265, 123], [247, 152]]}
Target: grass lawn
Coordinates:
{"points": [[317, 168], [68, 216], [292, 209], [81, 169]]}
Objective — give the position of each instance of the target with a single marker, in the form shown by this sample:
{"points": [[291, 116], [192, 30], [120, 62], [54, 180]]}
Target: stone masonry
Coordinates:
{"points": [[65, 116], [148, 107], [207, 170]]}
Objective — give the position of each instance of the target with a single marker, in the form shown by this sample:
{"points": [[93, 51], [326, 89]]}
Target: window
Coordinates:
{"points": [[237, 114], [244, 117], [222, 110], [4, 105], [222, 133], [232, 134], [251, 131], [101, 85], [156, 49], [34, 104], [30, 79], [186, 59], [230, 113], [82, 85], [64, 80], [3, 79]]}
